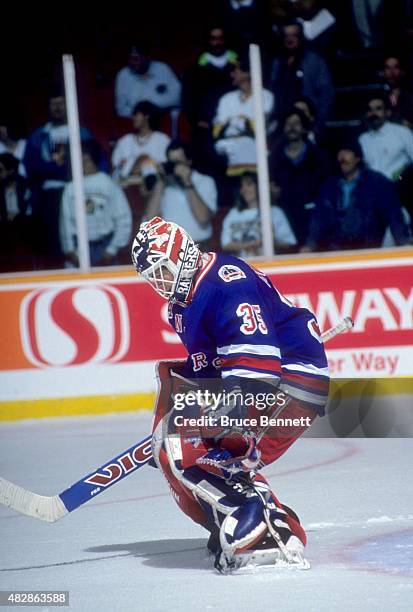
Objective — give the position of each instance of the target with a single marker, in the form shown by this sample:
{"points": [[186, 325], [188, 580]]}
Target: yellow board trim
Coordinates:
{"points": [[75, 406], [375, 386], [103, 404]]}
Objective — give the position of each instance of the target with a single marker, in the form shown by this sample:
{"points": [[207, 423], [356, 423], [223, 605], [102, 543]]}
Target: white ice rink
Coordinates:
{"points": [[131, 548]]}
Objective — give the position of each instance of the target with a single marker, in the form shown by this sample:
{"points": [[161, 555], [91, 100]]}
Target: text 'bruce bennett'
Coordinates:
{"points": [[226, 421]]}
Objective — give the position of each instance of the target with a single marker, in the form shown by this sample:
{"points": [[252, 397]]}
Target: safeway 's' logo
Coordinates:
{"points": [[74, 325]]}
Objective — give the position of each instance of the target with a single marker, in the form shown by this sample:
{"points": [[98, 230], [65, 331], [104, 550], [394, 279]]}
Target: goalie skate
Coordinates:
{"points": [[263, 559]]}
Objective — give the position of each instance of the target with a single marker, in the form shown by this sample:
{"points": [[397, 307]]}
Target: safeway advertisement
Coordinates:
{"points": [[103, 335]]}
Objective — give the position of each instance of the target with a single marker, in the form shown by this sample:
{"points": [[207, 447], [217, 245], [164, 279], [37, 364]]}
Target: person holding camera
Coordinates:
{"points": [[145, 140], [241, 227], [183, 195]]}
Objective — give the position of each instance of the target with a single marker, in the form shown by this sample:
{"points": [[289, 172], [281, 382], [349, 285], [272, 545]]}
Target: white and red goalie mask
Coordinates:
{"points": [[167, 257]]}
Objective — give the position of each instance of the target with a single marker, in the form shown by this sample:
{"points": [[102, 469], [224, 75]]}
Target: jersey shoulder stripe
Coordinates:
{"points": [[249, 349], [272, 366], [306, 368], [247, 373]]}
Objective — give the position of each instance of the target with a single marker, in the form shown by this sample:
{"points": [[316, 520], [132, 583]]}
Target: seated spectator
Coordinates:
{"points": [[10, 142], [354, 208], [306, 106], [203, 84], [387, 147], [109, 219], [16, 252], [206, 81], [297, 72], [183, 195], [241, 228], [47, 165], [298, 167], [144, 141], [399, 100], [233, 124], [145, 79]]}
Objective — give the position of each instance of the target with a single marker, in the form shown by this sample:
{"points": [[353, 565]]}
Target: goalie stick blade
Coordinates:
{"points": [[53, 508], [48, 509]]}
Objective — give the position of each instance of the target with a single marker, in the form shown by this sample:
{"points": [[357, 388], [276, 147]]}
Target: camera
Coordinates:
{"points": [[149, 174], [168, 167]]}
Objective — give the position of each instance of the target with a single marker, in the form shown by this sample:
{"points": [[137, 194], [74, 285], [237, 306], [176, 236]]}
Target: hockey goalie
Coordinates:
{"points": [[244, 339]]}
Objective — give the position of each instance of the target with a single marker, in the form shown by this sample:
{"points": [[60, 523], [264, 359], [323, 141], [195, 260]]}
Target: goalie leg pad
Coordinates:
{"points": [[292, 520], [242, 529], [181, 494], [232, 505], [271, 542], [236, 511], [246, 516]]}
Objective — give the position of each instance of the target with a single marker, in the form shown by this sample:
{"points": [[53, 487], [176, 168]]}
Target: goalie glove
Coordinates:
{"points": [[236, 453]]}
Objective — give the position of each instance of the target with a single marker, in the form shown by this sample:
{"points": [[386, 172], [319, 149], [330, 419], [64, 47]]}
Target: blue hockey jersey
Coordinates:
{"points": [[239, 325]]}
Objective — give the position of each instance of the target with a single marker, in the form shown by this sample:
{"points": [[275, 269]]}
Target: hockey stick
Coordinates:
{"points": [[54, 507], [344, 325]]}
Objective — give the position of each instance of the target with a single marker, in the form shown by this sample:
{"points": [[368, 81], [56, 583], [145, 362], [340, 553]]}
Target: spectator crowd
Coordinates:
{"points": [[187, 147]]}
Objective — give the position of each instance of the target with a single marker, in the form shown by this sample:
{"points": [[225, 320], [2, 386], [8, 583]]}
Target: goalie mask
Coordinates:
{"points": [[167, 257]]}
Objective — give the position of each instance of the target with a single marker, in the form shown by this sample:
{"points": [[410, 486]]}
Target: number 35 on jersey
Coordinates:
{"points": [[252, 320]]}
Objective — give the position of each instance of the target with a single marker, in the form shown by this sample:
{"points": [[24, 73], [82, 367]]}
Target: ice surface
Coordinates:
{"points": [[132, 549]]}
